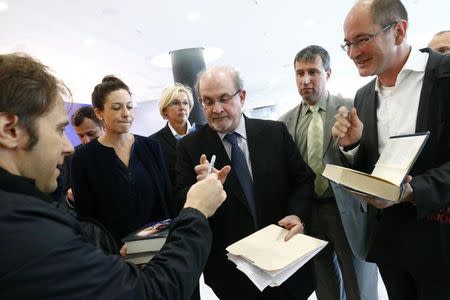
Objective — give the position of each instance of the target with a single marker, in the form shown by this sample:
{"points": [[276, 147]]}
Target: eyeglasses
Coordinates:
{"points": [[179, 103], [361, 41], [224, 99]]}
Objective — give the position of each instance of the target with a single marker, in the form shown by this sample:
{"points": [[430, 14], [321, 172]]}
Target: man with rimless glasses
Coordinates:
{"points": [[410, 94], [269, 183]]}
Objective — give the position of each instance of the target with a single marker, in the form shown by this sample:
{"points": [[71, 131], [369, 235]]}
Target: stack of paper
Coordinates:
{"points": [[268, 260]]}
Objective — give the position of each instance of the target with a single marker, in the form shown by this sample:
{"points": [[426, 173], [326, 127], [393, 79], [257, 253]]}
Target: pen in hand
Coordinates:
{"points": [[211, 164], [336, 139], [336, 142]]}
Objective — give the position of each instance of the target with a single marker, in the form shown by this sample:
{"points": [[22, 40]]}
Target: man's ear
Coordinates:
{"points": [[242, 95], [328, 73], [400, 31], [10, 133]]}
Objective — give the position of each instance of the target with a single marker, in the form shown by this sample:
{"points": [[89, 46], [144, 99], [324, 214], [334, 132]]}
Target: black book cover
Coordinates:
{"points": [[152, 230]]}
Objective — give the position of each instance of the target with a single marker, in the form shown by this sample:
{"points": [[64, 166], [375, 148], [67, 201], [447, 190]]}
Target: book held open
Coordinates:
{"points": [[267, 259], [386, 179]]}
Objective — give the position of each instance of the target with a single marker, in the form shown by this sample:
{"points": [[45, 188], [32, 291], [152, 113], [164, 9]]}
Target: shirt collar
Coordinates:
{"points": [[240, 129], [20, 185], [322, 104], [174, 132], [416, 62]]}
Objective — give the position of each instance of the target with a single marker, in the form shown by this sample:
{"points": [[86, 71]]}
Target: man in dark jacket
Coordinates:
{"points": [[410, 94], [42, 254], [270, 183]]}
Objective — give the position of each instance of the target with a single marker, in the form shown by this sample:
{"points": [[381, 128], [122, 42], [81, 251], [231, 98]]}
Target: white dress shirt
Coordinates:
{"points": [[242, 142], [398, 105]]}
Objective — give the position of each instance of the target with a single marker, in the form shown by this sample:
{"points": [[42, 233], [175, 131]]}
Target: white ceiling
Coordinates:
{"points": [[83, 40]]}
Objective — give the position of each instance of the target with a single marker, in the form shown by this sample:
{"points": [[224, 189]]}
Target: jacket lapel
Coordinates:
{"points": [[292, 121], [332, 105], [425, 95], [371, 126], [254, 139], [168, 136]]}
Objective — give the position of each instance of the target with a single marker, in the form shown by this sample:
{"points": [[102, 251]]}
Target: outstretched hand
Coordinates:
{"points": [[206, 195], [202, 170]]}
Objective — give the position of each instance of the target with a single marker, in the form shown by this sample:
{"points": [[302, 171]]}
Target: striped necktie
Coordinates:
{"points": [[315, 149]]}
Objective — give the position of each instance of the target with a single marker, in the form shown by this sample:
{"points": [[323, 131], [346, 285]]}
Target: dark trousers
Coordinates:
{"points": [[402, 284], [326, 224]]}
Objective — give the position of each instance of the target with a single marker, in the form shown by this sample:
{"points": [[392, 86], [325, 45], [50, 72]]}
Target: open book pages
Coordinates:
{"points": [[393, 165], [398, 156], [268, 260], [362, 183]]}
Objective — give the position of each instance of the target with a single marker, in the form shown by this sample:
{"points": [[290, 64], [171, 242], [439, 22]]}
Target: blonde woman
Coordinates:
{"points": [[175, 105]]}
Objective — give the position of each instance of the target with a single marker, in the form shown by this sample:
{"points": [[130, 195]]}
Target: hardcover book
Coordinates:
{"points": [[386, 179], [139, 259], [149, 238]]}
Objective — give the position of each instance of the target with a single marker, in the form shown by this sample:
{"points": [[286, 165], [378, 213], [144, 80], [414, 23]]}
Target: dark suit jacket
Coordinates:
{"points": [[283, 185], [404, 235], [169, 146], [44, 256]]}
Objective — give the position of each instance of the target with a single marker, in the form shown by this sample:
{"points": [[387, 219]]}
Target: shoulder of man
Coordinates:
{"points": [[258, 123], [84, 150], [40, 223], [196, 135], [285, 117], [339, 101], [438, 65]]}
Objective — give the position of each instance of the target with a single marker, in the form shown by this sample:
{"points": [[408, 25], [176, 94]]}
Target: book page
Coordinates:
{"points": [[363, 183], [397, 157], [400, 152], [393, 175]]}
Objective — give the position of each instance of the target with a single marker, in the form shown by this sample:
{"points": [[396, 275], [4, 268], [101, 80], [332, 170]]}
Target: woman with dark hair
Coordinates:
{"points": [[120, 179]]}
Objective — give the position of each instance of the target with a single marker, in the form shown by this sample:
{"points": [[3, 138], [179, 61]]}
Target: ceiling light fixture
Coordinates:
{"points": [[3, 6], [193, 16]]}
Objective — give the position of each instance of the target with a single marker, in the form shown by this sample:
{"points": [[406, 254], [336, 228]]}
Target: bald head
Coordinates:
{"points": [[380, 12], [222, 95], [220, 73], [441, 42]]}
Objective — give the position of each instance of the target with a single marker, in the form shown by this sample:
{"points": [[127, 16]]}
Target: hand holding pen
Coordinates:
{"points": [[211, 164], [347, 130], [207, 167]]}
